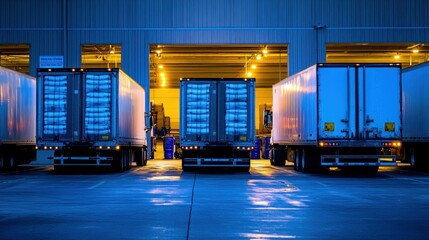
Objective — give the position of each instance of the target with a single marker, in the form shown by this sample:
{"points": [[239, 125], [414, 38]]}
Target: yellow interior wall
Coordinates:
{"points": [[170, 98]]}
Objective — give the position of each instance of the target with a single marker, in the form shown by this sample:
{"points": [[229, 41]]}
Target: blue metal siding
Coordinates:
{"points": [[139, 23], [31, 14]]}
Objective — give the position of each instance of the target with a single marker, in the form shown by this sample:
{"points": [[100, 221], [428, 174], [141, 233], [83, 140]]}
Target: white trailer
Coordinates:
{"points": [[415, 114], [339, 115]]}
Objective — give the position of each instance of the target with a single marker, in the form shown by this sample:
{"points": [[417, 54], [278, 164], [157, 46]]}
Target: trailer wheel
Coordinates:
{"points": [[297, 161], [11, 162], [271, 156], [304, 161], [2, 162], [413, 158], [145, 157], [139, 157], [279, 156]]}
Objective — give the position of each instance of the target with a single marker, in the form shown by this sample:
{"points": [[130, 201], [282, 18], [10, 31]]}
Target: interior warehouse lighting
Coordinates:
{"points": [[258, 57], [265, 51], [249, 74], [161, 66], [415, 51], [397, 56], [253, 66]]}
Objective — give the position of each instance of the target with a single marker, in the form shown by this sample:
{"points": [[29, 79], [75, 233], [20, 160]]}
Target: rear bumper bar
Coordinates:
{"points": [[82, 161], [216, 162], [358, 160]]}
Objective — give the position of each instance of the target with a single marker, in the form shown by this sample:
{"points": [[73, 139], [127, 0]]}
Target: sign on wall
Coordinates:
{"points": [[51, 61]]}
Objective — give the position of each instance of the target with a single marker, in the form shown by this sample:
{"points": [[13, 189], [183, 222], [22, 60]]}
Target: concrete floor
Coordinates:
{"points": [[159, 201]]}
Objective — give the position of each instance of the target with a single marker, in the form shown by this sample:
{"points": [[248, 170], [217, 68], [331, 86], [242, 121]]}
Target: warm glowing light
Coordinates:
{"points": [[163, 84], [100, 147], [258, 57], [253, 66], [117, 147], [397, 56], [265, 51], [321, 144], [161, 66], [162, 74], [45, 147], [158, 51], [249, 74], [415, 50]]}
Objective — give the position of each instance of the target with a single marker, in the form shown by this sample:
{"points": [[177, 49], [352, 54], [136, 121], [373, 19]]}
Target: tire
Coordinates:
{"points": [[279, 157], [2, 162], [138, 156], [304, 161], [11, 164], [145, 157], [297, 165], [413, 158], [271, 156]]}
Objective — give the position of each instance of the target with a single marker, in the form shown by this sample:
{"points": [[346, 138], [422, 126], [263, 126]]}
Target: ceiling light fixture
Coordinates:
{"points": [[265, 51], [415, 50], [158, 53]]}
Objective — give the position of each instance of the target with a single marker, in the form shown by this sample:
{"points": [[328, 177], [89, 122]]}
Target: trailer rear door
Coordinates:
{"points": [[59, 112], [198, 112], [336, 97], [380, 102]]}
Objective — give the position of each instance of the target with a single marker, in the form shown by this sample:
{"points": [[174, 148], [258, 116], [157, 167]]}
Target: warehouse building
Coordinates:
{"points": [[159, 42]]}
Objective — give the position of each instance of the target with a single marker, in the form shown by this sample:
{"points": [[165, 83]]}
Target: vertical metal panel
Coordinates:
{"points": [[295, 108], [381, 110], [336, 107], [415, 100], [17, 111], [31, 14]]}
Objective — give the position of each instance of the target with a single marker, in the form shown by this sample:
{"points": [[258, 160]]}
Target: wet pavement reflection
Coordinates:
{"points": [[159, 201]]}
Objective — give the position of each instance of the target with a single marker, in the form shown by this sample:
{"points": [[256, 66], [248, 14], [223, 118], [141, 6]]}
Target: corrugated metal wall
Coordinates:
{"points": [[137, 23]]}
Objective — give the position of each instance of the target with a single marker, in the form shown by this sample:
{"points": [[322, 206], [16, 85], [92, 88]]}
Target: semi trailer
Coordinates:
{"points": [[415, 114], [17, 118], [217, 122], [338, 115], [91, 117]]}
